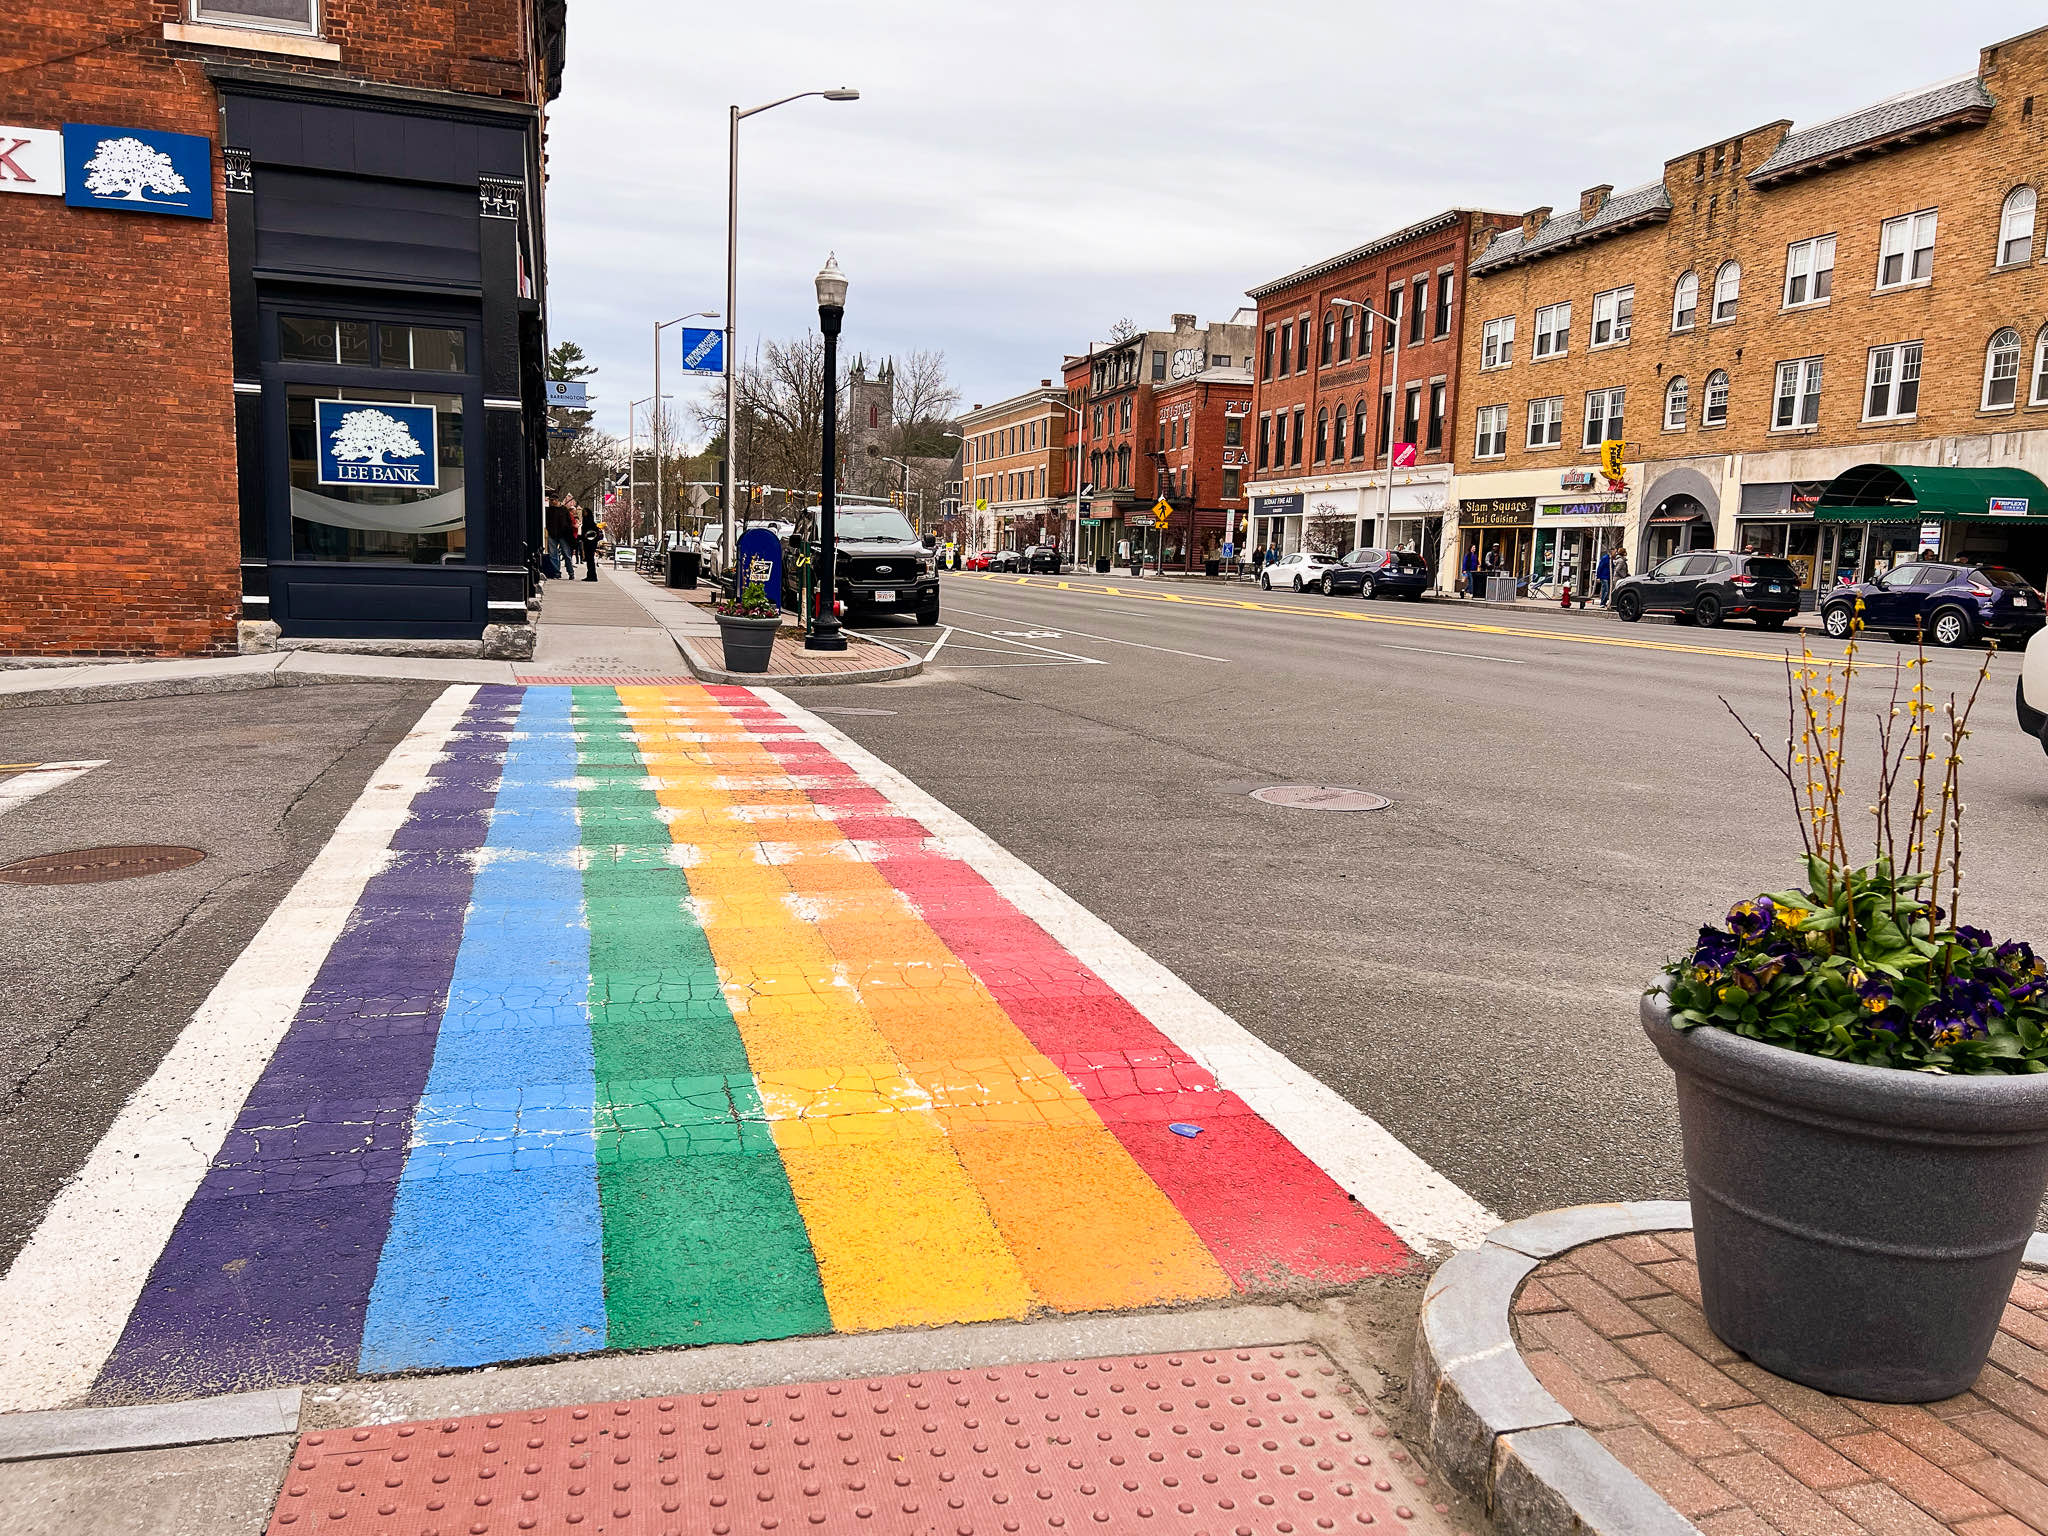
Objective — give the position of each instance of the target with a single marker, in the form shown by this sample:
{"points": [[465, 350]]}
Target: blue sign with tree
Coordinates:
{"points": [[375, 443], [138, 170]]}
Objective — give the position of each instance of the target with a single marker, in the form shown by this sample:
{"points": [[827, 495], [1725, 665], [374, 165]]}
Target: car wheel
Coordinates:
{"points": [[1628, 607], [1297, 583], [1837, 619], [1368, 589], [1707, 611], [1329, 587], [928, 616], [1949, 628], [1265, 582]]}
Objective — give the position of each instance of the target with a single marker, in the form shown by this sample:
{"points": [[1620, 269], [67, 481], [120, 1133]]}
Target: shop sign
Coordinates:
{"points": [[1497, 512], [1277, 506], [1782, 498], [1576, 480], [138, 170], [568, 392], [365, 442], [1600, 509], [32, 160], [2008, 506]]}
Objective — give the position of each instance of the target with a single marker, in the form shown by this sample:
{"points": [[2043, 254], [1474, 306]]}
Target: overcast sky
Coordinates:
{"points": [[1016, 178]]}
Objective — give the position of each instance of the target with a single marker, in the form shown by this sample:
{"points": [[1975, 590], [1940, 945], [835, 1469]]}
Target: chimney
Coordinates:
{"points": [[1183, 322], [1534, 220], [1593, 199], [977, 405], [1045, 383]]}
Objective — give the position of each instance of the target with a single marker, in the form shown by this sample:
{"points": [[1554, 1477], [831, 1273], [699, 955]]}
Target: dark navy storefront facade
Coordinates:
{"points": [[385, 249]]}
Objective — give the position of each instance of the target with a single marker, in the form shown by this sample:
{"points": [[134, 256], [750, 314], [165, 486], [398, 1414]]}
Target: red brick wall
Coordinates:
{"points": [[117, 452]]}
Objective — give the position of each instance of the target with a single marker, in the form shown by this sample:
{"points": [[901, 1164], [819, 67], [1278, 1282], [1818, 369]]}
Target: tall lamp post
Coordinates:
{"points": [[825, 635], [1074, 459], [1385, 529], [728, 477], [633, 459], [660, 516]]}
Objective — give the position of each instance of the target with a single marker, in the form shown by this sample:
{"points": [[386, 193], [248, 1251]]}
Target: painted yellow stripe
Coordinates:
{"points": [[952, 1073], [1463, 626]]}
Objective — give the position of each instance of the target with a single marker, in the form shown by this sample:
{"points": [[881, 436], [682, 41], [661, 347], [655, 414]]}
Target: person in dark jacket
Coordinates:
{"points": [[590, 538], [561, 530]]}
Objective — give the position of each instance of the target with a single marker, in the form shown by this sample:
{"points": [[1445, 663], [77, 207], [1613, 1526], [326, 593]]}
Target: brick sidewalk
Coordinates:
{"points": [[1614, 1332]]}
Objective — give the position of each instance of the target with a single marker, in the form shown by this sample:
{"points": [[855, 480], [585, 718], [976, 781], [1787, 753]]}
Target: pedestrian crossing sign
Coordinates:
{"points": [[1162, 514]]}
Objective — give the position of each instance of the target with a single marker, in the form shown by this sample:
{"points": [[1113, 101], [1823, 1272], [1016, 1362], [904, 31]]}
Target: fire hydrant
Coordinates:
{"points": [[1566, 600]]}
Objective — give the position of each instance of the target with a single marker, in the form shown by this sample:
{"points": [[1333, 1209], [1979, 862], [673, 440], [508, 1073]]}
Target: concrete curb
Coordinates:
{"points": [[115, 681], [198, 1421], [704, 672]]}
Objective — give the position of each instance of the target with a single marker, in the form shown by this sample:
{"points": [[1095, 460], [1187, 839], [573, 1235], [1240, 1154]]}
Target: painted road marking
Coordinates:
{"points": [[1081, 634], [664, 1015], [1428, 650], [40, 778], [1464, 626], [1028, 645], [71, 1288]]}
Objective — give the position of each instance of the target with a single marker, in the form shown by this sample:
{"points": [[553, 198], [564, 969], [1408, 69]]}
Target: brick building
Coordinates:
{"points": [[282, 357], [1113, 387], [1327, 377], [1775, 310], [1015, 471], [1203, 429]]}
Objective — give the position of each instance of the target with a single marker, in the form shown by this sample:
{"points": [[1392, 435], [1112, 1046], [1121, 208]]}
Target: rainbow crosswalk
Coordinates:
{"points": [[661, 1024]]}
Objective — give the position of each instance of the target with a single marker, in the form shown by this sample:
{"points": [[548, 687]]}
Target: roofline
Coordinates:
{"points": [[1971, 116], [1036, 392], [1371, 248], [1651, 215]]}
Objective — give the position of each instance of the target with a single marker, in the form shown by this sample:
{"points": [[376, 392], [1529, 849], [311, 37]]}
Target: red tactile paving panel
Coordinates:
{"points": [[1228, 1443]]}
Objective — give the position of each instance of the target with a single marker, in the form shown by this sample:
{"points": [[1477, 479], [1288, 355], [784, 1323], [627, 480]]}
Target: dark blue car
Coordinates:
{"points": [[1378, 573], [1948, 604]]}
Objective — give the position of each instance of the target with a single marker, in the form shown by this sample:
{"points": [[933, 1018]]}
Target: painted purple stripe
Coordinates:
{"points": [[266, 1277]]}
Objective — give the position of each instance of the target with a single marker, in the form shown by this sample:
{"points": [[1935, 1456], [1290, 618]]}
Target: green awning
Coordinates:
{"points": [[1905, 493]]}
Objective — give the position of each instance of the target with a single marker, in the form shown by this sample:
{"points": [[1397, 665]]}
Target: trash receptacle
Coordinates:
{"points": [[1212, 567], [1102, 565], [1500, 589], [683, 568]]}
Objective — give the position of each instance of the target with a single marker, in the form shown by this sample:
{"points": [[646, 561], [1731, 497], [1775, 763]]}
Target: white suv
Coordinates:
{"points": [[2032, 694]]}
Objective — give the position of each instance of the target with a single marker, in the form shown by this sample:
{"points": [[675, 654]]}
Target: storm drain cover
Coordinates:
{"points": [[1321, 797], [90, 866]]}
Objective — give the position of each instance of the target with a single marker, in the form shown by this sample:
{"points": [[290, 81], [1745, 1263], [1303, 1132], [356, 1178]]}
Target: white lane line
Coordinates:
{"points": [[1422, 1206], [24, 787], [1112, 639], [1026, 645], [68, 1294], [1428, 650]]}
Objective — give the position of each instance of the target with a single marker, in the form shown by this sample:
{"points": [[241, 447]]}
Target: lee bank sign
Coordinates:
{"points": [[128, 170]]}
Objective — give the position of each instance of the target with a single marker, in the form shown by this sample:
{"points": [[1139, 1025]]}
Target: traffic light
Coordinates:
{"points": [[896, 500]]}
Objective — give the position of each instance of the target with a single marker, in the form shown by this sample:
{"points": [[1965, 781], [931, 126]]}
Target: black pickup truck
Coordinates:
{"points": [[883, 566]]}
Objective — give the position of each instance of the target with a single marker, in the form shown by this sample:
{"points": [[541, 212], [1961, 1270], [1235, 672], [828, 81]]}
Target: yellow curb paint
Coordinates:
{"points": [[1091, 1232], [867, 1160]]}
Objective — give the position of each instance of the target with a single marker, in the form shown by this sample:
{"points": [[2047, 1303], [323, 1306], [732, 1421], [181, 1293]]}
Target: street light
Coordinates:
{"points": [[729, 478], [659, 326], [633, 459], [825, 635], [1074, 459], [1386, 529]]}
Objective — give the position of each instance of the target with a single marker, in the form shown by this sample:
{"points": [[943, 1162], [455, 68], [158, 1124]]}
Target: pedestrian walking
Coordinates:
{"points": [[1471, 567], [590, 537], [1619, 570], [561, 530], [1603, 573], [1259, 558]]}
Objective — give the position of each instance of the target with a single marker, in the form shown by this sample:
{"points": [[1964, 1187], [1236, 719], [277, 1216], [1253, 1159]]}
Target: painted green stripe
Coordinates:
{"points": [[703, 1242]]}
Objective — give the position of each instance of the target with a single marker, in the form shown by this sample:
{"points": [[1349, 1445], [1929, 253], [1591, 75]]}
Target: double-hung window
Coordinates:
{"points": [[1809, 271], [2002, 370], [1553, 330], [1546, 422], [1677, 403], [2016, 227], [1714, 408], [1497, 343], [1905, 250], [1301, 345], [1265, 441], [1418, 312], [2039, 394], [1613, 316], [1443, 302], [1266, 366], [1603, 415], [1439, 392], [1727, 291], [270, 15], [1892, 387], [1394, 315], [1329, 352], [1798, 395], [1685, 301], [1286, 344], [1490, 438]]}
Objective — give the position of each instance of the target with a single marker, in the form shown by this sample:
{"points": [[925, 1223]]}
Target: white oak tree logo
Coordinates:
{"points": [[364, 437], [126, 168]]}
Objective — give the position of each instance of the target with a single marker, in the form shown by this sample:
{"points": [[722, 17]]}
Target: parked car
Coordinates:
{"points": [[1043, 558], [978, 561], [2031, 692], [1299, 570], [1949, 604], [1706, 586], [1005, 560], [1378, 573], [882, 567]]}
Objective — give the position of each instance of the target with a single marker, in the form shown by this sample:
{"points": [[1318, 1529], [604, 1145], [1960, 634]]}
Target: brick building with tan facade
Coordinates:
{"points": [[1014, 471], [282, 357], [1776, 309], [1326, 410]]}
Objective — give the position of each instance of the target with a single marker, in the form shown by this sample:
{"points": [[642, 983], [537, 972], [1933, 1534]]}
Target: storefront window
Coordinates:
{"points": [[380, 523]]}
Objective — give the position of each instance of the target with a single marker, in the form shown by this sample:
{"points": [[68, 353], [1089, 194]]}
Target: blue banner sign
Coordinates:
{"points": [[703, 351], [138, 170], [372, 442]]}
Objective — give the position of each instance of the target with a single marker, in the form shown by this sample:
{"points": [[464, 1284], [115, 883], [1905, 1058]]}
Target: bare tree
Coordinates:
{"points": [[779, 416], [1325, 529], [584, 465], [925, 403], [1123, 330]]}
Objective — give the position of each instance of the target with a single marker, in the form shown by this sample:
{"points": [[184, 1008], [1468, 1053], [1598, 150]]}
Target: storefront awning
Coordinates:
{"points": [[1902, 493]]}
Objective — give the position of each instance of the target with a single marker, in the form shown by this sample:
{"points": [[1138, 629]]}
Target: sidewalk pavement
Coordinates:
{"points": [[1574, 1385], [665, 1019]]}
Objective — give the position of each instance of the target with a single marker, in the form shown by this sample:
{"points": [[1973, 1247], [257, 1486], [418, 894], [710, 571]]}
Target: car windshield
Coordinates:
{"points": [[865, 524], [1999, 576], [1774, 570]]}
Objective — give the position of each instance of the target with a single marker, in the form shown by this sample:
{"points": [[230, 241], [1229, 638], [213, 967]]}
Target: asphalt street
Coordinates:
{"points": [[1570, 801], [96, 980]]}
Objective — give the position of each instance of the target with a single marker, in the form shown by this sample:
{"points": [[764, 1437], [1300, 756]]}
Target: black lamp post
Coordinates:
{"points": [[825, 635]]}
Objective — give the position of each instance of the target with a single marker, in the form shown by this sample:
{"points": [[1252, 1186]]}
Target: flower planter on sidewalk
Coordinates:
{"points": [[748, 642], [1859, 1227]]}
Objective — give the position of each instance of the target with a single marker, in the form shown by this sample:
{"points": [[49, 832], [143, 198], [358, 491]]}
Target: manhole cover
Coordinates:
{"points": [[90, 866], [1321, 797]]}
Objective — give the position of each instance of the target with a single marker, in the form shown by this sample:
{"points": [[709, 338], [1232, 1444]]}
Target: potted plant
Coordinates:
{"points": [[747, 625], [1862, 1078]]}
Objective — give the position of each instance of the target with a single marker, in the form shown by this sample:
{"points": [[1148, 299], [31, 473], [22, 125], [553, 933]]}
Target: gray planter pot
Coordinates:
{"points": [[748, 642], [1859, 1228]]}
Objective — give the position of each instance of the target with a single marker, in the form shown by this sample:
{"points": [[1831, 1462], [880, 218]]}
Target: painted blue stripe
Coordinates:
{"points": [[496, 1247]]}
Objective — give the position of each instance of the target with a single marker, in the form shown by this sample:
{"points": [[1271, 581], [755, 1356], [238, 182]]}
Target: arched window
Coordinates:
{"points": [[1337, 434], [2039, 394], [1123, 467], [2002, 369], [1358, 429], [1677, 403], [1714, 407], [1685, 301], [1322, 435], [1344, 335], [1329, 337], [2016, 227], [1095, 469], [1727, 289]]}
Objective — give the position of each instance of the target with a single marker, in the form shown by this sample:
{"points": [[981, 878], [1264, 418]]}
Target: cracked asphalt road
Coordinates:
{"points": [[97, 980], [1464, 966]]}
